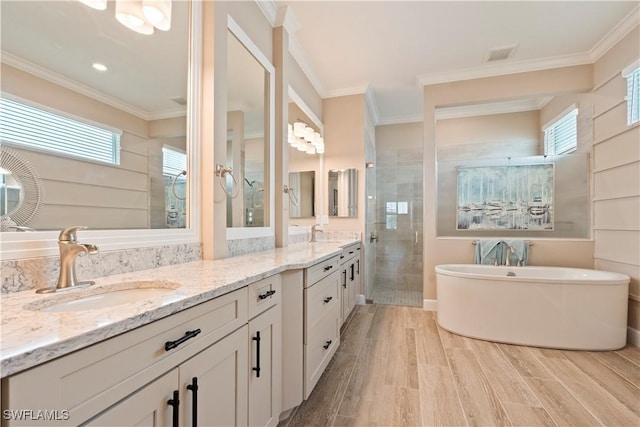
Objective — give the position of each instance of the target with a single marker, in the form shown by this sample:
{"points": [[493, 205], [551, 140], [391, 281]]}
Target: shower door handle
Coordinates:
{"points": [[416, 238]]}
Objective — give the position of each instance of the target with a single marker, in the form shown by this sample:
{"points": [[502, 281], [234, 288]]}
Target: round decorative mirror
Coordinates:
{"points": [[20, 190]]}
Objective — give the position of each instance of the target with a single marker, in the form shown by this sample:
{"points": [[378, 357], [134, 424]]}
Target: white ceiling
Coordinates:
{"points": [[392, 48]]}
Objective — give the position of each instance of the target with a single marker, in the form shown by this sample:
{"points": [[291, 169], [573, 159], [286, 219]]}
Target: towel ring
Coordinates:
{"points": [[292, 195], [221, 173]]}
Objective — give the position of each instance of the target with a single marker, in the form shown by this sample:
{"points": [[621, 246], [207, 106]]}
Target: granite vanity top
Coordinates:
{"points": [[31, 337]]}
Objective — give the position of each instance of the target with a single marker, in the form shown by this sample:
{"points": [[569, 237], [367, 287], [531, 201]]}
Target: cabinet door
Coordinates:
{"points": [[146, 407], [220, 372], [265, 344]]}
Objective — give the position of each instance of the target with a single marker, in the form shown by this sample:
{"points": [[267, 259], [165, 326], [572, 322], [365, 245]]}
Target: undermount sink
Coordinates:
{"points": [[114, 295]]}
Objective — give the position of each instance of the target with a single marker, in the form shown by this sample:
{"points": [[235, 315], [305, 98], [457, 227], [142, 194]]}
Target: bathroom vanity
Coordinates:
{"points": [[210, 352]]}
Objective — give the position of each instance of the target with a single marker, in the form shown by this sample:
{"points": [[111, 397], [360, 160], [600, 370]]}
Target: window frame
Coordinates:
{"points": [[573, 110], [631, 74]]}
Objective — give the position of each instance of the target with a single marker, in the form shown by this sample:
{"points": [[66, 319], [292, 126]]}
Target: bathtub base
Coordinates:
{"points": [[552, 315]]}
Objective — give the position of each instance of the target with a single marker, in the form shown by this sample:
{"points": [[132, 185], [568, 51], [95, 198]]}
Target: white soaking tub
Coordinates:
{"points": [[554, 307]]}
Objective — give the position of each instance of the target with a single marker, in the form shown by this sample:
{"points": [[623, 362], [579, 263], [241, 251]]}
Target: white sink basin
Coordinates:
{"points": [[112, 296]]}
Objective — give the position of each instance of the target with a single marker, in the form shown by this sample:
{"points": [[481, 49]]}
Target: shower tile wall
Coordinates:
{"points": [[399, 211]]}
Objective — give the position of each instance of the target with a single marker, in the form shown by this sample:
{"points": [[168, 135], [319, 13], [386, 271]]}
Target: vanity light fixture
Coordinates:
{"points": [[95, 4], [158, 13], [304, 138], [129, 13], [99, 67]]}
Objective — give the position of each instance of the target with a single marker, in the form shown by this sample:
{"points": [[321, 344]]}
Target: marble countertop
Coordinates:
{"points": [[31, 337]]}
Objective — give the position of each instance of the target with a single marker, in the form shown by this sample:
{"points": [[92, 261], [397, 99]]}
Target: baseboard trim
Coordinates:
{"points": [[430, 304], [360, 299], [633, 336]]}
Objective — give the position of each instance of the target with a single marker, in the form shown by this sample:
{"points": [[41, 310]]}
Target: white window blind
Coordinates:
{"points": [[561, 136], [633, 96], [173, 161], [22, 124]]}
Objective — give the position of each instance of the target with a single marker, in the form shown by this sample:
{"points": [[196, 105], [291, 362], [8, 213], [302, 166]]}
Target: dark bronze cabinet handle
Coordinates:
{"points": [[267, 294], [194, 401], [175, 403], [327, 344], [328, 267], [187, 335], [344, 279], [327, 299], [257, 367]]}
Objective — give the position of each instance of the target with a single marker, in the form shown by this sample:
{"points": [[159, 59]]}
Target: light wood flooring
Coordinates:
{"points": [[396, 367]]}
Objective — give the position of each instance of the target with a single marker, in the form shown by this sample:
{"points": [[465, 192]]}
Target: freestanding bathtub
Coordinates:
{"points": [[554, 307]]}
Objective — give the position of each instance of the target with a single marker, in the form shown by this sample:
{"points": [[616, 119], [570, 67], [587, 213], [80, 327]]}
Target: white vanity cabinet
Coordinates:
{"points": [[349, 279], [202, 357], [321, 319]]}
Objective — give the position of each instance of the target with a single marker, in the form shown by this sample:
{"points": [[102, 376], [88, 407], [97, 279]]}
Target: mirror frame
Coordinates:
{"points": [[16, 245], [234, 233]]}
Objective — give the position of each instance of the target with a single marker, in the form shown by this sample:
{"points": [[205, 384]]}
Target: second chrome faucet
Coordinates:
{"points": [[69, 251]]}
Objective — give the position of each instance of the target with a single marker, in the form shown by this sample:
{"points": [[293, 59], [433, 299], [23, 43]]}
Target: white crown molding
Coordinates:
{"points": [[492, 70], [370, 98], [398, 120], [286, 18], [60, 80], [269, 9], [616, 34], [354, 90], [515, 106]]}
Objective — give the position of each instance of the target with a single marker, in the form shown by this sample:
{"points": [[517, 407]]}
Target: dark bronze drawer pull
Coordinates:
{"points": [[267, 294], [327, 299], [187, 335], [327, 344], [328, 267]]}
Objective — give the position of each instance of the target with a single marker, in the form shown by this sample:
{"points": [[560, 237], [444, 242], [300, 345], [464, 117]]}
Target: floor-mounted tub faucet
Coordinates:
{"points": [[69, 251]]}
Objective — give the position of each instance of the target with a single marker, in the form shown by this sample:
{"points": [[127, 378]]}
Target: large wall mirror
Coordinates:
{"points": [[66, 65], [343, 193], [494, 178], [305, 168], [249, 143]]}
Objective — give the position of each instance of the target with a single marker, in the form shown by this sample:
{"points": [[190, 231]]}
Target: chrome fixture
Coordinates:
{"points": [[69, 251], [315, 230]]}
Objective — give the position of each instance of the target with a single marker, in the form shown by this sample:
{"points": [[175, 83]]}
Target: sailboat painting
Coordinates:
{"points": [[506, 197]]}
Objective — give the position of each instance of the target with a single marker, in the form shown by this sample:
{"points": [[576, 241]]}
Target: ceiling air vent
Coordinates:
{"points": [[179, 100], [500, 53]]}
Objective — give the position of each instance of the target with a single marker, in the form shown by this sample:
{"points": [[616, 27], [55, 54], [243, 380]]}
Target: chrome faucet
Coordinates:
{"points": [[314, 230], [69, 251]]}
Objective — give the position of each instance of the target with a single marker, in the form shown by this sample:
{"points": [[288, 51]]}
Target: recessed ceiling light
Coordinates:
{"points": [[100, 67]]}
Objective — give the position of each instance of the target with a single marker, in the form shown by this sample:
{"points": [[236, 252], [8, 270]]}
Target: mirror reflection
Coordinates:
{"points": [[343, 192], [247, 141], [89, 82], [302, 202]]}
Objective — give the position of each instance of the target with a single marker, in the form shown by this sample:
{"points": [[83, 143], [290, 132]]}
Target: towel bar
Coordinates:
{"points": [[475, 242]]}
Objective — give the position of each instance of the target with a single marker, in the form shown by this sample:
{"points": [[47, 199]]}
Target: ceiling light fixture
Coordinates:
{"points": [[129, 13], [158, 13], [95, 4]]}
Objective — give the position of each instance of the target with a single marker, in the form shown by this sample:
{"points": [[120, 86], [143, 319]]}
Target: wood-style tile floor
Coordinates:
{"points": [[396, 367]]}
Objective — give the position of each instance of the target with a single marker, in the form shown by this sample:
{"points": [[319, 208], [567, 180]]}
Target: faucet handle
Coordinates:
{"points": [[69, 234]]}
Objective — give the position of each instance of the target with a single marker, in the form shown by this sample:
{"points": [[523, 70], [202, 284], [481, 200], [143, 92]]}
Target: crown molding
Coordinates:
{"points": [[269, 9], [514, 106], [617, 33], [286, 18], [300, 56], [399, 120], [60, 80], [354, 90], [492, 70]]}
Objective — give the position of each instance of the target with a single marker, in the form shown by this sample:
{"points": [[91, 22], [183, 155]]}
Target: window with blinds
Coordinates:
{"points": [[633, 96], [561, 135], [28, 126], [174, 162]]}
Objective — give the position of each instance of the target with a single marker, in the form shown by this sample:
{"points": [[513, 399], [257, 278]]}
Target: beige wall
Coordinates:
{"points": [[616, 159], [460, 250], [344, 130], [300, 83]]}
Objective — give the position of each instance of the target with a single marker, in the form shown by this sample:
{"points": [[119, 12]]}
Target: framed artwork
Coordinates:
{"points": [[505, 197]]}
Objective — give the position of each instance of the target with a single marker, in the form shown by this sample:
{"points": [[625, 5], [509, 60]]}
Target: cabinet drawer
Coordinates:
{"points": [[349, 252], [264, 294], [90, 380], [323, 340], [320, 299], [316, 272]]}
